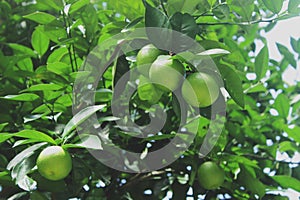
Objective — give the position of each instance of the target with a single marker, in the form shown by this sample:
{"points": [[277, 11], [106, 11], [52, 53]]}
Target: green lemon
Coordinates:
{"points": [[147, 91], [210, 175], [54, 163], [146, 57], [166, 72], [200, 89]]}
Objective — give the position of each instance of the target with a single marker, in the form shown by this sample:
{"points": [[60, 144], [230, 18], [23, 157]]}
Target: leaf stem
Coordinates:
{"points": [[163, 7]]}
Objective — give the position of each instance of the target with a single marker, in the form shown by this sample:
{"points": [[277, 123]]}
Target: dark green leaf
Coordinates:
{"points": [[233, 84], [162, 37], [295, 44], [185, 24], [287, 54]]}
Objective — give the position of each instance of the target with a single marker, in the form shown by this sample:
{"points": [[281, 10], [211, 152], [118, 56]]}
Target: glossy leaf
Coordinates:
{"points": [[80, 117], [24, 154], [36, 135], [21, 97]]}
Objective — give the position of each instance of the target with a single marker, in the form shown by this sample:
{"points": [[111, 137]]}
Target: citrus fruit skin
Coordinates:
{"points": [[54, 163], [200, 90], [210, 175], [145, 57], [166, 73]]}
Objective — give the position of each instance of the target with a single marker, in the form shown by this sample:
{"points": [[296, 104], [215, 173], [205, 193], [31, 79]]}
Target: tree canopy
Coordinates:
{"points": [[70, 77]]}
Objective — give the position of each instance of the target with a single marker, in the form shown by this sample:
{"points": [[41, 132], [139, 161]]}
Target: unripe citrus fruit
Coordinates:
{"points": [[54, 163], [166, 72], [210, 175], [200, 89], [146, 57]]}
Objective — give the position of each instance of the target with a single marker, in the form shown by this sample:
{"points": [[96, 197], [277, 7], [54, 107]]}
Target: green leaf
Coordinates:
{"points": [[295, 45], [33, 134], [293, 132], [4, 137], [40, 17], [185, 24], [262, 63], [55, 4], [250, 181], [244, 8], [43, 87], [40, 42], [80, 117], [57, 55], [78, 5], [190, 6], [233, 84], [129, 8], [24, 154], [211, 2], [282, 105], [222, 11], [3, 125], [213, 52], [287, 182], [293, 6], [20, 49], [274, 6], [21, 97], [287, 54], [89, 142], [103, 95], [288, 146], [156, 18]]}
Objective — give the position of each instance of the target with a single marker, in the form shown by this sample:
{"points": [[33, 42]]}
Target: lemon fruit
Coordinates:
{"points": [[200, 89], [145, 57], [166, 72], [54, 163], [210, 175]]}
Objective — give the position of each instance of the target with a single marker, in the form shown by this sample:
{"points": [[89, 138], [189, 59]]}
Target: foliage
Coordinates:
{"points": [[42, 46]]}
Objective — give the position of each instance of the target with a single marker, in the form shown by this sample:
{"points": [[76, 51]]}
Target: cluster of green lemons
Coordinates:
{"points": [[161, 73]]}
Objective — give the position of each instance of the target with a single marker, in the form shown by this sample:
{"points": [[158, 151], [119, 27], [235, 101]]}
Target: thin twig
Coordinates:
{"points": [[163, 7]]}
